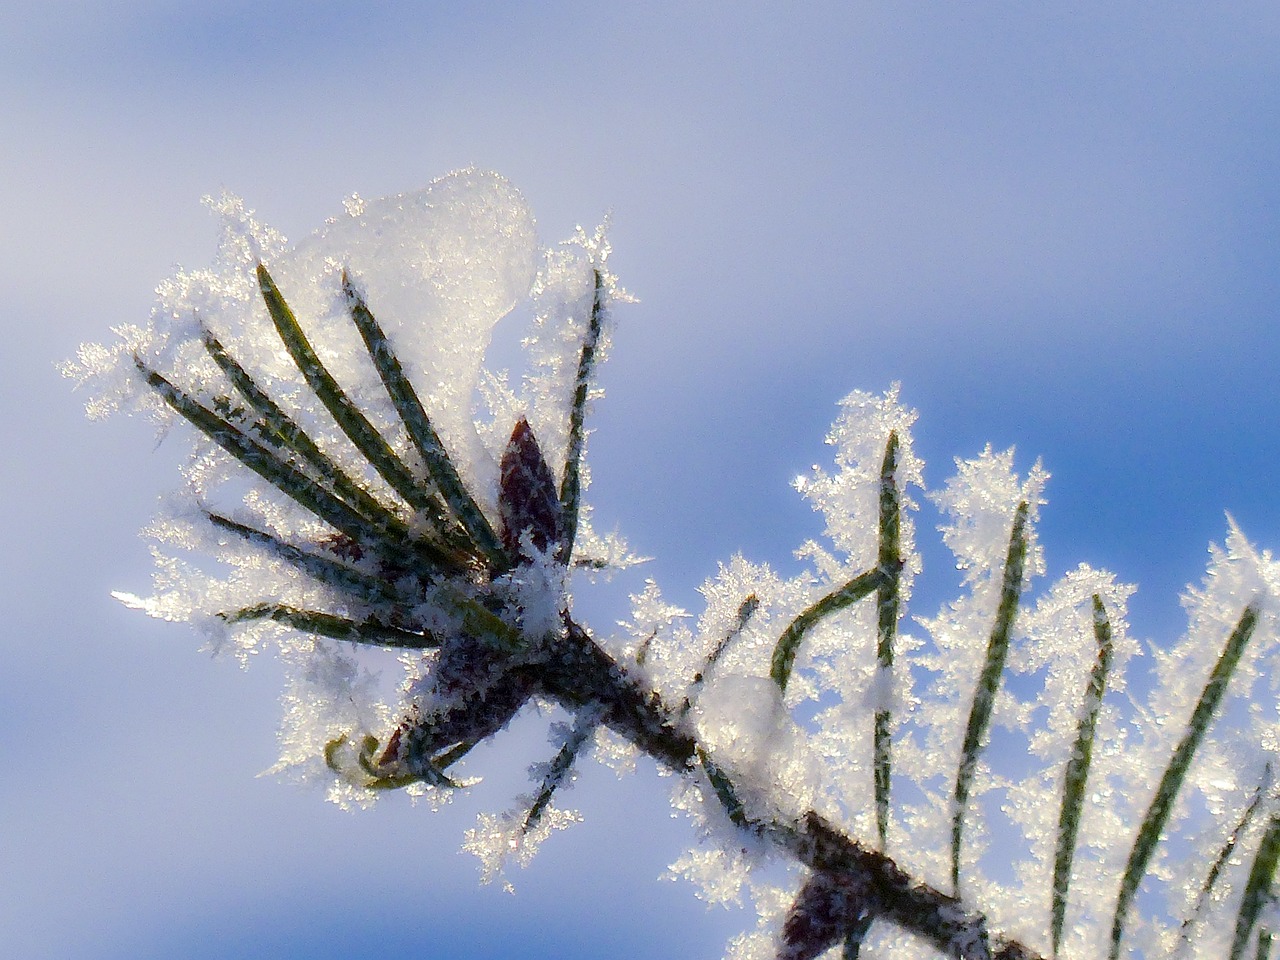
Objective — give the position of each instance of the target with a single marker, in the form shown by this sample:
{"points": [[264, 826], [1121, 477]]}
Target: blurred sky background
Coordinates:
{"points": [[1058, 225]]}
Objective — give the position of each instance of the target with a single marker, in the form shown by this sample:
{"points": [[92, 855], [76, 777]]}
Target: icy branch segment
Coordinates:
{"points": [[583, 675]]}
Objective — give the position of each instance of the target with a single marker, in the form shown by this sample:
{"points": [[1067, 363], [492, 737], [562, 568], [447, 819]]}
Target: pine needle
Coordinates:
{"points": [[1077, 772], [571, 482], [1162, 803], [422, 434], [984, 697], [1257, 889], [321, 624], [348, 417], [784, 653], [889, 564]]}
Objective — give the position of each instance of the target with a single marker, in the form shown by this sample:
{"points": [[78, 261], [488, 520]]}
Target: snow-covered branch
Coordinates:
{"points": [[378, 501]]}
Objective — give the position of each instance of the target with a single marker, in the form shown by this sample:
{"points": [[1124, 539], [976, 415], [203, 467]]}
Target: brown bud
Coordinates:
{"points": [[528, 500], [828, 908]]}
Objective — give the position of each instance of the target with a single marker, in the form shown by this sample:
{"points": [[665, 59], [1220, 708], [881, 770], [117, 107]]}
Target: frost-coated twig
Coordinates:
{"points": [[581, 673]]}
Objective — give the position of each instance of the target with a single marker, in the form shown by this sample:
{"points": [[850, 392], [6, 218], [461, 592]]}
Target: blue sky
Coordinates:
{"points": [[1057, 225]]}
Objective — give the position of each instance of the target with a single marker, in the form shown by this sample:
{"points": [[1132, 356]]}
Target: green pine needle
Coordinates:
{"points": [[984, 696], [1162, 803], [724, 791], [571, 482], [1257, 889], [853, 939], [280, 429], [1077, 773], [295, 484], [784, 653], [423, 435], [321, 624], [746, 609], [353, 423], [1220, 861], [889, 564], [324, 569], [583, 728]]}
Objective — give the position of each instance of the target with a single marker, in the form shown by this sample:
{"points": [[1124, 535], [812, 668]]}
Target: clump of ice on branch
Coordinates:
{"points": [[743, 723]]}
